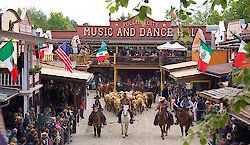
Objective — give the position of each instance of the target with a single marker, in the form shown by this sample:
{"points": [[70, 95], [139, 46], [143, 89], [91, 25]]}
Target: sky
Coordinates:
{"points": [[93, 12]]}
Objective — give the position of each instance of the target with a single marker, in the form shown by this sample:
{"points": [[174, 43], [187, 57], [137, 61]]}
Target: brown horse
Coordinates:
{"points": [[97, 123], [150, 97], [163, 121], [184, 120]]}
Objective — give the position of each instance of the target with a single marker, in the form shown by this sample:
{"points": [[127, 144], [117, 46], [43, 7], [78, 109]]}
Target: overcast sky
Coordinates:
{"points": [[93, 12]]}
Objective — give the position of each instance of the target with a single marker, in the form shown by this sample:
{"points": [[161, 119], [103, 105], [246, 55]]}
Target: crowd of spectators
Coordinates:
{"points": [[47, 128], [140, 51]]}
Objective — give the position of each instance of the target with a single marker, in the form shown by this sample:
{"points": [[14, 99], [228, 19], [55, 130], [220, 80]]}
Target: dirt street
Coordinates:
{"points": [[142, 132]]}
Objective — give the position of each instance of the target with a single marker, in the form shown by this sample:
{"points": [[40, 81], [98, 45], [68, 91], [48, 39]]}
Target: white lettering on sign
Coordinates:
{"points": [[131, 32]]}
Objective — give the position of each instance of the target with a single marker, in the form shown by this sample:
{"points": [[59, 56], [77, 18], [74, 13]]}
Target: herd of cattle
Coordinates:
{"points": [[139, 101]]}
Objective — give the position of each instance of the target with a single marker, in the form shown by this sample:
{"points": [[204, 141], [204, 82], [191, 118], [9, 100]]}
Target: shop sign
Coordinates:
{"points": [[234, 27], [134, 29], [188, 85], [138, 59]]}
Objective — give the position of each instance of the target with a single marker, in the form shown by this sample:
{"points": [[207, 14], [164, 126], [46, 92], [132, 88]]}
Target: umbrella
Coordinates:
{"points": [[175, 46]]}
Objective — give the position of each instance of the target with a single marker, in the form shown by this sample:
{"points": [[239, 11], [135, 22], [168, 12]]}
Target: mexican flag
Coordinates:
{"points": [[205, 56], [102, 53], [240, 57], [7, 57]]}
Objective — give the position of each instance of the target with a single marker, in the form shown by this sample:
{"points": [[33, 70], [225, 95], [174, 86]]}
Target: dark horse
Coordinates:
{"points": [[163, 121], [97, 123], [184, 119]]}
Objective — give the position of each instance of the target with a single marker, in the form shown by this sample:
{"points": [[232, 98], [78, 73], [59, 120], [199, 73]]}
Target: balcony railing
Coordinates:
{"points": [[79, 59], [137, 60], [7, 80], [120, 60]]}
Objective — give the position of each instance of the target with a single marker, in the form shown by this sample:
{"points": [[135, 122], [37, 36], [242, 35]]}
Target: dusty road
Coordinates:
{"points": [[142, 132]]}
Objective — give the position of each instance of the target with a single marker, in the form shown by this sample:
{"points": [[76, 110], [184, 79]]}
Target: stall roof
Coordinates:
{"points": [[220, 69], [185, 73], [24, 37], [60, 72], [244, 114], [188, 64], [7, 93], [217, 95]]}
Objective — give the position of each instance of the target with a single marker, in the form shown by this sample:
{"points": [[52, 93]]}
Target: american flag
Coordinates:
{"points": [[61, 52]]}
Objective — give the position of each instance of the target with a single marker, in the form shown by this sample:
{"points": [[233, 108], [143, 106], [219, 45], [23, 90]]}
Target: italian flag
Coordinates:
{"points": [[7, 57], [205, 56], [102, 53], [240, 57]]}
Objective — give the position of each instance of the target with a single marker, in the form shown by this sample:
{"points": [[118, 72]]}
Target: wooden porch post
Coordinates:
{"points": [[75, 106], [115, 78]]}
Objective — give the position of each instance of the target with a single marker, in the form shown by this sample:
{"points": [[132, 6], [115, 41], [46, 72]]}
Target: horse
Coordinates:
{"points": [[97, 123], [163, 121], [150, 97], [102, 90], [184, 120], [125, 118]]}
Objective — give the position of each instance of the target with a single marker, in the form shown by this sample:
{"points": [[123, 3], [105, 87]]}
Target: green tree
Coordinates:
{"points": [[38, 18], [237, 10], [72, 23], [57, 22]]}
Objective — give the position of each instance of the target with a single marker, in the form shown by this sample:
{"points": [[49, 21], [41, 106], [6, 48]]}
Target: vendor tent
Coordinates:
{"points": [[169, 46]]}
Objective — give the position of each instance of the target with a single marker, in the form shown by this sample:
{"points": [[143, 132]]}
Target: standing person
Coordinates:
{"points": [[13, 135], [20, 130], [98, 103], [200, 108], [165, 92], [129, 85], [20, 62]]}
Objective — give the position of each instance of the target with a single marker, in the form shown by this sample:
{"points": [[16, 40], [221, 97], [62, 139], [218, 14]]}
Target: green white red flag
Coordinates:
{"points": [[240, 57], [7, 57], [205, 56], [102, 53]]}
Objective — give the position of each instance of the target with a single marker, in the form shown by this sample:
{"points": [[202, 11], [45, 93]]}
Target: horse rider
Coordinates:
{"points": [[125, 101], [98, 103], [187, 105], [163, 104]]}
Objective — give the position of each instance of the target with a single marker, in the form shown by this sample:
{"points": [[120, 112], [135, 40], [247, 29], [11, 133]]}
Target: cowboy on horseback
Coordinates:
{"points": [[163, 104], [97, 102], [125, 101], [186, 104]]}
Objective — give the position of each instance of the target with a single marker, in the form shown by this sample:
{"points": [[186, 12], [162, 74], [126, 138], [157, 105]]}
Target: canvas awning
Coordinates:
{"points": [[184, 73], [169, 46], [7, 93], [61, 72], [180, 66]]}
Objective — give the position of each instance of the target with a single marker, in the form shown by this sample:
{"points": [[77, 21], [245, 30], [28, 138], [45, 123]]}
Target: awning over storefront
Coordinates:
{"points": [[7, 93], [169, 46], [60, 72], [217, 95], [220, 69], [180, 66], [244, 114], [184, 73]]}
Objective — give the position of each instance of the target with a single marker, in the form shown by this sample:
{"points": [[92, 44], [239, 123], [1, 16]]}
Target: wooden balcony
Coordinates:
{"points": [[7, 80]]}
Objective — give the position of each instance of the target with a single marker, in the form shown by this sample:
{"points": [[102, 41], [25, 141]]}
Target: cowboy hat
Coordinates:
{"points": [[161, 99], [97, 96]]}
